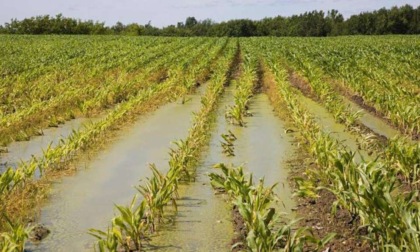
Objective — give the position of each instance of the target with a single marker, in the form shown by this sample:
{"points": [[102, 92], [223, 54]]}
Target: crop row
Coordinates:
{"points": [[395, 99], [13, 181], [368, 190], [116, 88], [399, 153], [133, 223]]}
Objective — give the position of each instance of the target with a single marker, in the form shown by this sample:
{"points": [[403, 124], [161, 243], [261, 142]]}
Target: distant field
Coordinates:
{"points": [[372, 178]]}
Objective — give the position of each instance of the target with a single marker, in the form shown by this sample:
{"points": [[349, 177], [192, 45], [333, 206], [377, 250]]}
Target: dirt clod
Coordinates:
{"points": [[39, 232]]}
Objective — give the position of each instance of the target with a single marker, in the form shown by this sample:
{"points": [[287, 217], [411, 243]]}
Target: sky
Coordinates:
{"points": [[166, 12]]}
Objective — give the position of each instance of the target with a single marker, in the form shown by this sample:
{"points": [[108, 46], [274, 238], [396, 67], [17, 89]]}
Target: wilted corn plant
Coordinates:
{"points": [[227, 144], [253, 203]]}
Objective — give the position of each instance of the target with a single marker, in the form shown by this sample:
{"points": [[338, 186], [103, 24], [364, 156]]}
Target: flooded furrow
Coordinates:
{"points": [[203, 221], [24, 150], [86, 200], [264, 148], [374, 123], [330, 126]]}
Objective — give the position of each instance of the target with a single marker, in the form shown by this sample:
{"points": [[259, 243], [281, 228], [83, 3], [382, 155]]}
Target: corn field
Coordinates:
{"points": [[359, 186]]}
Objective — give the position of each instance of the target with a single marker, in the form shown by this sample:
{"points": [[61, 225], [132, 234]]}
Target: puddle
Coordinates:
{"points": [[336, 130], [86, 200], [203, 222], [372, 122], [264, 147], [24, 150]]}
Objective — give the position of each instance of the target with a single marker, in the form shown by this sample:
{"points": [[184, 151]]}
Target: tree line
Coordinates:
{"points": [[396, 20]]}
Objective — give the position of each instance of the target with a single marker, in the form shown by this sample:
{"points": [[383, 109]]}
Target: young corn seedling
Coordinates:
{"points": [[127, 230], [14, 239], [227, 144], [253, 203], [157, 193]]}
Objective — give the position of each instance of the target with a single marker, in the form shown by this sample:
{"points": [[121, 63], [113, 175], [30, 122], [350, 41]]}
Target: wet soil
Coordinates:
{"points": [[357, 99], [369, 124], [316, 213]]}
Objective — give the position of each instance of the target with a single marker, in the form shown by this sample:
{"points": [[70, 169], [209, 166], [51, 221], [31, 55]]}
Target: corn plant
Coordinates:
{"points": [[15, 238], [253, 203], [157, 193], [227, 144], [127, 230], [368, 190]]}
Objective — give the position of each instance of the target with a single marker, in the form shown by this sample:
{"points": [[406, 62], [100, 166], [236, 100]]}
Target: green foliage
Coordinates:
{"points": [[254, 205], [131, 226], [396, 20], [14, 239], [369, 190]]}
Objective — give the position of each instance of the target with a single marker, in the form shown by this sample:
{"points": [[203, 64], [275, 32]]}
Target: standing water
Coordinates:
{"points": [[335, 130], [86, 200], [203, 222], [24, 150], [265, 148], [372, 122]]}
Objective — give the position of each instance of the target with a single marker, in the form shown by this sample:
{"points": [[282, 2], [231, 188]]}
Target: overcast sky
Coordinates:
{"points": [[166, 12]]}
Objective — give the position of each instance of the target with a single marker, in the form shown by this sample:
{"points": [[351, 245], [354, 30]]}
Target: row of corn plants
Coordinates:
{"points": [[134, 223], [398, 153], [91, 98], [265, 231], [352, 64], [368, 190], [245, 87]]}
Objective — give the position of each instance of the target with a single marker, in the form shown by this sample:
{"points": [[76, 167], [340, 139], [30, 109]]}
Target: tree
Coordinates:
{"points": [[190, 22]]}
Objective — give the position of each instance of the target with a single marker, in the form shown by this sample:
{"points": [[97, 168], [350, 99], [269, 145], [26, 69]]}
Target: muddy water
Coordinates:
{"points": [[204, 222], [24, 150], [372, 122], [265, 148], [86, 200], [336, 130]]}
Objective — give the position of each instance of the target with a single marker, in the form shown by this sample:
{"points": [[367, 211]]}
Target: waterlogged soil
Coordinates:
{"points": [[374, 123], [203, 221], [316, 214], [264, 148], [334, 129], [86, 200], [24, 150]]}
